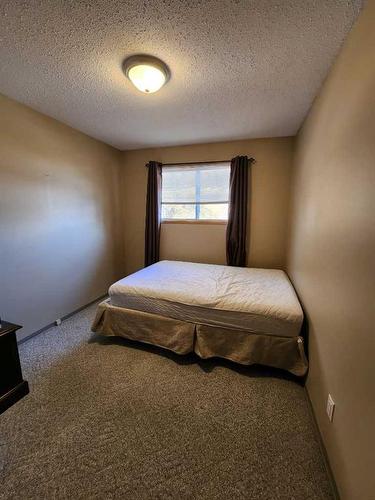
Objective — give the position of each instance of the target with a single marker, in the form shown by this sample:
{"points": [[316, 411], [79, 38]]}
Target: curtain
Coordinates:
{"points": [[237, 216], [153, 213]]}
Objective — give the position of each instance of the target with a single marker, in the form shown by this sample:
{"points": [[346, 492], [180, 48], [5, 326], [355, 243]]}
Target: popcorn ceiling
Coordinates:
{"points": [[240, 68]]}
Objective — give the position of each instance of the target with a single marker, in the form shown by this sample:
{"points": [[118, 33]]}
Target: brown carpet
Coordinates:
{"points": [[114, 419]]}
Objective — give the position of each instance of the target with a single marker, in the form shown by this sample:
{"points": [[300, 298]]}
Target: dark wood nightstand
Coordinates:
{"points": [[12, 385]]}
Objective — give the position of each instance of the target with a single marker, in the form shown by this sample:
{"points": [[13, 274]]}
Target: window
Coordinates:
{"points": [[195, 192]]}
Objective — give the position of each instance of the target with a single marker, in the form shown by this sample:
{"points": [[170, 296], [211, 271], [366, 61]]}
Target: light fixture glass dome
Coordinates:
{"points": [[148, 74]]}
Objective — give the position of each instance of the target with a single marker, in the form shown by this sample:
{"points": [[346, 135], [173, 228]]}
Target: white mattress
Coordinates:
{"points": [[254, 300]]}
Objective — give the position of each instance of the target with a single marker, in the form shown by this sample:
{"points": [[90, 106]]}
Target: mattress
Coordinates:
{"points": [[247, 299]]}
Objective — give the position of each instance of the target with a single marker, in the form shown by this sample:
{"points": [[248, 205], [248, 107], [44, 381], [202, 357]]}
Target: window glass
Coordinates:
{"points": [[214, 184], [178, 185], [198, 192], [178, 211]]}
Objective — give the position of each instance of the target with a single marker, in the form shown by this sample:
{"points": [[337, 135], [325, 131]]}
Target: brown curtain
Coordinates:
{"points": [[237, 217], [153, 209]]}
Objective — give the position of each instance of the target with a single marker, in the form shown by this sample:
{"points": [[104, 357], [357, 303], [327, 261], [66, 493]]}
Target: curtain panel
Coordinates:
{"points": [[237, 216], [153, 213]]}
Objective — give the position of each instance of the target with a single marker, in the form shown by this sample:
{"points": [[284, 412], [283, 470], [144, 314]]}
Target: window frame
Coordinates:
{"points": [[196, 220]]}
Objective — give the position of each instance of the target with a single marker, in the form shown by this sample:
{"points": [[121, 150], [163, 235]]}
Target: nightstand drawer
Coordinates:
{"points": [[12, 386]]}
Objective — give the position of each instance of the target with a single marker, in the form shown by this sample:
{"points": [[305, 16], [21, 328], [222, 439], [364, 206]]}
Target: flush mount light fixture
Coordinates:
{"points": [[147, 73]]}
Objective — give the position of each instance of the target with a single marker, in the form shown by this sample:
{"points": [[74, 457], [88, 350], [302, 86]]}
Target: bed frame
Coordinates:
{"points": [[206, 341]]}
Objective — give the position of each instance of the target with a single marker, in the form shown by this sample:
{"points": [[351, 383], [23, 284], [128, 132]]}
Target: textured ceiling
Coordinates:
{"points": [[240, 68]]}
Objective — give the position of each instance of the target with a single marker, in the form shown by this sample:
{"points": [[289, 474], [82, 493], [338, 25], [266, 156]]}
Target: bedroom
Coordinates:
{"points": [[199, 382]]}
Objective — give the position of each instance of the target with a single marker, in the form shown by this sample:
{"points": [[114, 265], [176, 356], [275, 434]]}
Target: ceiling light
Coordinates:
{"points": [[147, 73]]}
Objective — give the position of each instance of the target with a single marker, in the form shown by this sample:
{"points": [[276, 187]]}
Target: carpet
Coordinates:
{"points": [[111, 418]]}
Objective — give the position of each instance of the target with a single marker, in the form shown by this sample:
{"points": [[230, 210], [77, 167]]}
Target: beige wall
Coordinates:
{"points": [[268, 207], [332, 257], [58, 217]]}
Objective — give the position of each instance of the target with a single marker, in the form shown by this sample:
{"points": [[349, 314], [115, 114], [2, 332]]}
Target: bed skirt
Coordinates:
{"points": [[206, 341]]}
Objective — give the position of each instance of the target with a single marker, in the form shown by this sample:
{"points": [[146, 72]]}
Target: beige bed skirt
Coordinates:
{"points": [[206, 341]]}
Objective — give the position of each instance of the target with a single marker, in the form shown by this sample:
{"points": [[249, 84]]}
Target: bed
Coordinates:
{"points": [[247, 315]]}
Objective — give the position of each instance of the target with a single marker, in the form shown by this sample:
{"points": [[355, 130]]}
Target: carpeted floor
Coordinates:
{"points": [[114, 419]]}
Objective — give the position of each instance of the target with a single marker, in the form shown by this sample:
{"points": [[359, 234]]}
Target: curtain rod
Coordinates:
{"points": [[251, 160]]}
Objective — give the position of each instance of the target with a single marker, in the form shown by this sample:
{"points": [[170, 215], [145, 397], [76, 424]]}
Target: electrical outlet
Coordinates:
{"points": [[58, 322], [330, 407]]}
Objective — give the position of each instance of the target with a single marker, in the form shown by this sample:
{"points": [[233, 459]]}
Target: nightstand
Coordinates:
{"points": [[12, 385]]}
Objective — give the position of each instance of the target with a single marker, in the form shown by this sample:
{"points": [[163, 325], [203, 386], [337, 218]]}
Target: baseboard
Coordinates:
{"points": [[323, 450], [50, 325]]}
